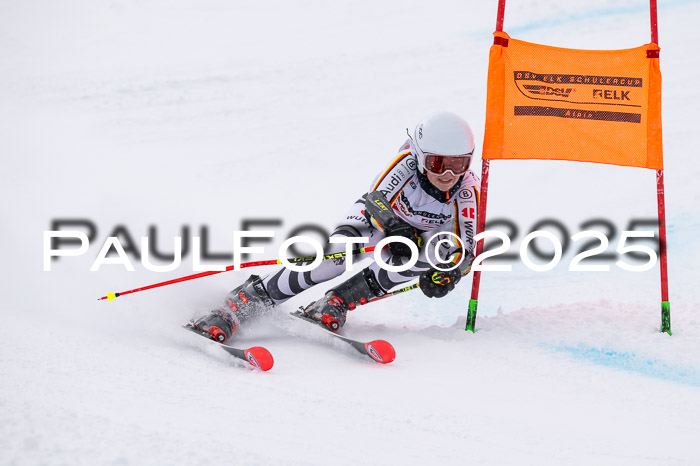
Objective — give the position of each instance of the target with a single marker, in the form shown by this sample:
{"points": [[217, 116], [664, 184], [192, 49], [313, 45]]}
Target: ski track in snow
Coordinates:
{"points": [[148, 113]]}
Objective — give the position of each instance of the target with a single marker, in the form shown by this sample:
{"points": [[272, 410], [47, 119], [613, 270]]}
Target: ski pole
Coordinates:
{"points": [[111, 296], [395, 292], [403, 290]]}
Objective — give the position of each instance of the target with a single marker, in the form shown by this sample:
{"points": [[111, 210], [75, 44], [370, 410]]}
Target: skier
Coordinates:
{"points": [[427, 189]]}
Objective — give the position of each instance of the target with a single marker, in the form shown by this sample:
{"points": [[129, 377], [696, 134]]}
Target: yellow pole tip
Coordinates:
{"points": [[111, 296]]}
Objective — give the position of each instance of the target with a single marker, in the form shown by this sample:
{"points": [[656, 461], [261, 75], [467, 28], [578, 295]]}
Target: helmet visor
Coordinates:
{"points": [[442, 163]]}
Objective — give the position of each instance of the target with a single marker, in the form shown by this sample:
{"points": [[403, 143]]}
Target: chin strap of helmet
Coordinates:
{"points": [[442, 196]]}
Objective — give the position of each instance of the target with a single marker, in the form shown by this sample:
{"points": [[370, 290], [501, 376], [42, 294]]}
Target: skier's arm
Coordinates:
{"points": [[384, 190], [377, 209], [467, 206], [436, 283]]}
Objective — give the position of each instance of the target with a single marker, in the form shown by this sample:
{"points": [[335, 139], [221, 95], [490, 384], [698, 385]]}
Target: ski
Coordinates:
{"points": [[257, 356], [379, 350]]}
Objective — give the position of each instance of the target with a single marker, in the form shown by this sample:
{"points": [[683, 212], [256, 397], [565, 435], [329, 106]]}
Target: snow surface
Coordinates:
{"points": [[142, 113]]}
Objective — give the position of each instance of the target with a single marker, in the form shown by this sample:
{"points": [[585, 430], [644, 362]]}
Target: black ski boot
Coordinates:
{"points": [[219, 323], [241, 303], [331, 310]]}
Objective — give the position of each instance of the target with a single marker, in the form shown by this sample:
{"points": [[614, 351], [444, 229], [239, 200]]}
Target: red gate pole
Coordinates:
{"points": [[481, 216], [500, 15], [661, 201], [663, 262], [480, 224], [654, 22]]}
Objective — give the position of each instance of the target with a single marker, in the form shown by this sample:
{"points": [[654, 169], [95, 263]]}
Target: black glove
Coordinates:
{"points": [[437, 283], [398, 227]]}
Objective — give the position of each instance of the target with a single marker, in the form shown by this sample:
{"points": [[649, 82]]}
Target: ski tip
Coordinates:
{"points": [[381, 351], [260, 358]]}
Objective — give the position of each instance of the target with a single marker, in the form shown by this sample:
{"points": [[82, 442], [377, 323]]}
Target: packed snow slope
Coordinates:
{"points": [[203, 114]]}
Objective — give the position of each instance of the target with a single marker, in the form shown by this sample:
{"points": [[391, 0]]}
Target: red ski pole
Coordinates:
{"points": [[111, 296]]}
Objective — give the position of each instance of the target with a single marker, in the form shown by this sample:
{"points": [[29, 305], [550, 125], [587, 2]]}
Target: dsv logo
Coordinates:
{"points": [[546, 90]]}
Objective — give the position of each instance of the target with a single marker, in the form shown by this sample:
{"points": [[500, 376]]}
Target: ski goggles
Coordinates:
{"points": [[439, 164]]}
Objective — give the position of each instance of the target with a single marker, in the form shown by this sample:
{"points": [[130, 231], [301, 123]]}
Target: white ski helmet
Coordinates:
{"points": [[444, 134]]}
